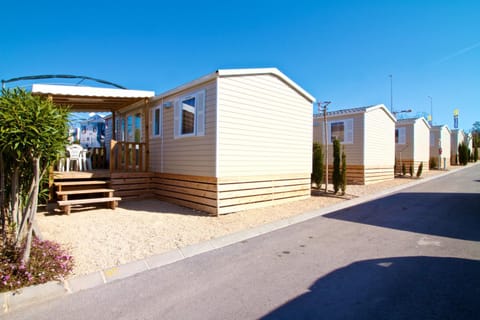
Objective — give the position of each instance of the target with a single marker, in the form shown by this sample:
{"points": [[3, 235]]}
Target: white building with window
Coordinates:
{"points": [[412, 144], [232, 140], [367, 135]]}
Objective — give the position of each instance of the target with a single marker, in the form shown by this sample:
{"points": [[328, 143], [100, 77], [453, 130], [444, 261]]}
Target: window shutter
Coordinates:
{"points": [[200, 109], [348, 131], [177, 113]]}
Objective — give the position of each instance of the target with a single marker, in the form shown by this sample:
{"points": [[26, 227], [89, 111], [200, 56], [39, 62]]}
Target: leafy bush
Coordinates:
{"points": [[475, 155], [433, 163], [343, 186], [463, 154], [48, 261], [317, 164], [420, 169], [336, 175]]}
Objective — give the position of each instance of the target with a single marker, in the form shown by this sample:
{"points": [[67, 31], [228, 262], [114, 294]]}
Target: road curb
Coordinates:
{"points": [[14, 300]]}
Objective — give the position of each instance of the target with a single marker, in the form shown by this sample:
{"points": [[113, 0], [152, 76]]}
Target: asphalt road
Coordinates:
{"points": [[411, 255]]}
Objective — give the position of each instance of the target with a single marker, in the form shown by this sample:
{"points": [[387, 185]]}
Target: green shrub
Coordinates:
{"points": [[317, 164], [420, 169], [48, 261], [432, 163], [336, 175], [463, 153], [343, 186], [475, 154]]}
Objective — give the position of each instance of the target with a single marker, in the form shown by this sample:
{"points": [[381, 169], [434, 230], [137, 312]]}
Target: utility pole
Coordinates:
{"points": [[325, 136]]}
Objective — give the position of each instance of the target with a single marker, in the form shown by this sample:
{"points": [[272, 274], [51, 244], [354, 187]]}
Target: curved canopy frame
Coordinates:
{"points": [[62, 76]]}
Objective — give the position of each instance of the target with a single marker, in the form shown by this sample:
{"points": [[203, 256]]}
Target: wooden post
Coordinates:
{"points": [[147, 135], [113, 159]]}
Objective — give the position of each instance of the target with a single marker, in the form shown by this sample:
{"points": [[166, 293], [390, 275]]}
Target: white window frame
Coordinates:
{"points": [[199, 117], [402, 135], [160, 121], [348, 130]]}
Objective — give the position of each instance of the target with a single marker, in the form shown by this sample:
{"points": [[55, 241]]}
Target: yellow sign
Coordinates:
{"points": [[455, 112]]}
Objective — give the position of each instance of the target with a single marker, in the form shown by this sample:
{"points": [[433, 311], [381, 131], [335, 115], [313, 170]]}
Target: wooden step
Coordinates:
{"points": [[60, 184], [84, 191], [66, 204]]}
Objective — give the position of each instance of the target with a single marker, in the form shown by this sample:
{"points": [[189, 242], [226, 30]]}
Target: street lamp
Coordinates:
{"points": [[431, 109], [322, 106]]}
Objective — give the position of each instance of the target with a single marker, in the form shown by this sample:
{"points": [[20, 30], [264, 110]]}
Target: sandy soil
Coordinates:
{"points": [[102, 238]]}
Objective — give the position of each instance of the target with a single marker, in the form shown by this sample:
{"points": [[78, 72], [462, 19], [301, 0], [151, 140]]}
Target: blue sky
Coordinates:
{"points": [[341, 51]]}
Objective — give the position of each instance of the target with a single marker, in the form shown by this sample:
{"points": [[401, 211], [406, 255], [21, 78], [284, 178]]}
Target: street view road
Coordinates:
{"points": [[410, 255]]}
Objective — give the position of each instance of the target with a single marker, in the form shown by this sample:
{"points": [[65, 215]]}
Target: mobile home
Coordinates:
{"points": [[367, 134], [412, 145], [457, 137], [231, 140], [440, 146]]}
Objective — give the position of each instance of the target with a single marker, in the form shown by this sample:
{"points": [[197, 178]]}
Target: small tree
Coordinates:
{"points": [[420, 169], [344, 171], [33, 131], [475, 154], [317, 164], [336, 175], [463, 154]]}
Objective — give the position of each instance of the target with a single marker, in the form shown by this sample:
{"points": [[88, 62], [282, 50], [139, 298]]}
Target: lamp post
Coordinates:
{"points": [[431, 110], [325, 135]]}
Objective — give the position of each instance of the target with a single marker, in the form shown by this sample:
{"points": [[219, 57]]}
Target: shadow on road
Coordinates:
{"points": [[391, 288], [453, 215]]}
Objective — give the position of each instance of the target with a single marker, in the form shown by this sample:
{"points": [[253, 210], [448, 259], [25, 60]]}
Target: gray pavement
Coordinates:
{"points": [[410, 254]]}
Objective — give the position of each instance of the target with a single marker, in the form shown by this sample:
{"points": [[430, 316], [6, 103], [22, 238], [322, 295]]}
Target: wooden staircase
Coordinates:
{"points": [[85, 192]]}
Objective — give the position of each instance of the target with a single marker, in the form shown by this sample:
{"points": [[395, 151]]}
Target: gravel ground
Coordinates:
{"points": [[102, 238]]}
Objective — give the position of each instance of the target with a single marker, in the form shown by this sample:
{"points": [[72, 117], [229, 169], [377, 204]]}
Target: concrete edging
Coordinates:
{"points": [[40, 293]]}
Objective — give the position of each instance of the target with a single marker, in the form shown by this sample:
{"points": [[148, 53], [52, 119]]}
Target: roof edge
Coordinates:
{"points": [[237, 72]]}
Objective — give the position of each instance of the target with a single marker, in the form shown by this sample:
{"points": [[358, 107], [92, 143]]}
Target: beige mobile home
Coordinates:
{"points": [[457, 137], [412, 144], [231, 140], [367, 135], [440, 145]]}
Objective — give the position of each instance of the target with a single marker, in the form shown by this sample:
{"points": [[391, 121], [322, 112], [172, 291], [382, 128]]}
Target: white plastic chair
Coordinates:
{"points": [[75, 154], [86, 160]]}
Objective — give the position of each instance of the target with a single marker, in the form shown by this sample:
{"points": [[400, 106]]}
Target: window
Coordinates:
{"points": [[157, 121], [400, 135], [342, 130], [190, 115]]}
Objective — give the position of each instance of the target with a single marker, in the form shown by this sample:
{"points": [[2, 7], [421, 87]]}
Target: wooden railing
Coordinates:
{"points": [[128, 156]]}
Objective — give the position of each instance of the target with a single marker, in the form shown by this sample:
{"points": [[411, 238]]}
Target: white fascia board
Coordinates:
{"points": [[237, 72], [272, 71], [90, 91], [384, 108]]}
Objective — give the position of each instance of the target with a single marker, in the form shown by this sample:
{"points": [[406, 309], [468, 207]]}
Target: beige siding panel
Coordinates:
{"points": [[379, 139], [187, 155], [441, 134], [354, 152], [405, 151], [264, 127], [421, 145]]}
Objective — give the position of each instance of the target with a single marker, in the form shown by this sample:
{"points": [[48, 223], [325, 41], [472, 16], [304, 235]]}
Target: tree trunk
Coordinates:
{"points": [[32, 210]]}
